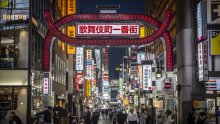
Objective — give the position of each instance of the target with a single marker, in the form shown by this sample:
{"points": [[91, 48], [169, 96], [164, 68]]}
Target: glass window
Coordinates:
{"points": [[13, 99], [14, 15]]}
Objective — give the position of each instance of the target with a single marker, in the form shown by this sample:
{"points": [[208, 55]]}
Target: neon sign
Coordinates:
{"points": [[86, 29]]}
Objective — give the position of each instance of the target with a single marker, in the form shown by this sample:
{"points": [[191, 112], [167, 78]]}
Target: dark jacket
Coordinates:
{"points": [[95, 118], [121, 118], [15, 119], [47, 115], [87, 117]]}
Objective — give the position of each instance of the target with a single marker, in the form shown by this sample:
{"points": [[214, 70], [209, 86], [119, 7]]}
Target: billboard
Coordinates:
{"points": [[79, 58], [147, 81], [108, 29], [215, 43]]}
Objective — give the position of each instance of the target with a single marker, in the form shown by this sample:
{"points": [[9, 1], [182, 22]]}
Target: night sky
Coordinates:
{"points": [[115, 59]]}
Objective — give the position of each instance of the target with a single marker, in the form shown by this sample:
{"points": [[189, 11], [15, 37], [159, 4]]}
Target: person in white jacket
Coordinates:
{"points": [[132, 117]]}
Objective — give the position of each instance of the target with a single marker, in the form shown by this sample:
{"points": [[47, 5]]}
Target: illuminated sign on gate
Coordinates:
{"points": [[106, 29]]}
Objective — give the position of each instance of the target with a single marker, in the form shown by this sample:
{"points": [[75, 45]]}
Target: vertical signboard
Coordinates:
{"points": [[203, 61], [201, 21], [147, 81], [88, 87], [88, 63], [140, 57], [71, 7], [136, 100], [215, 42], [79, 80], [79, 58], [213, 11], [140, 76], [71, 32], [46, 85]]}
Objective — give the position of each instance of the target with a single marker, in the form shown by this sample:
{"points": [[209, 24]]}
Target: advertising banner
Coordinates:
{"points": [[168, 84], [79, 80], [108, 29], [79, 59], [131, 99], [147, 81], [215, 43]]}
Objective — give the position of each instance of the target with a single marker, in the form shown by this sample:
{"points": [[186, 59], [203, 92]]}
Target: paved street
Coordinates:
{"points": [[104, 120]]}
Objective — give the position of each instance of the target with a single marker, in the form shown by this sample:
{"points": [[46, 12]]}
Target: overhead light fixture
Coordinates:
{"points": [[158, 74]]}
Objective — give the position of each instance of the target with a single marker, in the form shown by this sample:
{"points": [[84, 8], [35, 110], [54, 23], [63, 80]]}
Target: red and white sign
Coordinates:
{"points": [[79, 58], [203, 61], [46, 85], [107, 29], [79, 80], [168, 84]]}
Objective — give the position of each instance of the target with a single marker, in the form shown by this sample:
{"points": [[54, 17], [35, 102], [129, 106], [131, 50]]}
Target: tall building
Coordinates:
{"points": [[14, 58]]}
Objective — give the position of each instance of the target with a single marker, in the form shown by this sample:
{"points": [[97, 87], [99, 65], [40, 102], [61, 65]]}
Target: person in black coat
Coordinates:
{"points": [[14, 119], [47, 115], [87, 116], [95, 117], [121, 118]]}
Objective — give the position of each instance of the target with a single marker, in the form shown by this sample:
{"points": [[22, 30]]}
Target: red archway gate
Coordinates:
{"points": [[161, 31]]}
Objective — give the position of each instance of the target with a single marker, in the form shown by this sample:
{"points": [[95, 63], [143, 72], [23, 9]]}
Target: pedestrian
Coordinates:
{"points": [[191, 117], [56, 116], [132, 117], [14, 119], [87, 116], [110, 115], [159, 118], [95, 117], [106, 113], [47, 115], [169, 118], [143, 117], [120, 118], [102, 112], [202, 119], [148, 117], [114, 118]]}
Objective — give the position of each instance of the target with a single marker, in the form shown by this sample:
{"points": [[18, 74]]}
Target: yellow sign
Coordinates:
{"points": [[4, 4], [88, 86], [126, 101], [197, 104], [71, 32], [71, 7], [142, 35], [215, 43]]}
